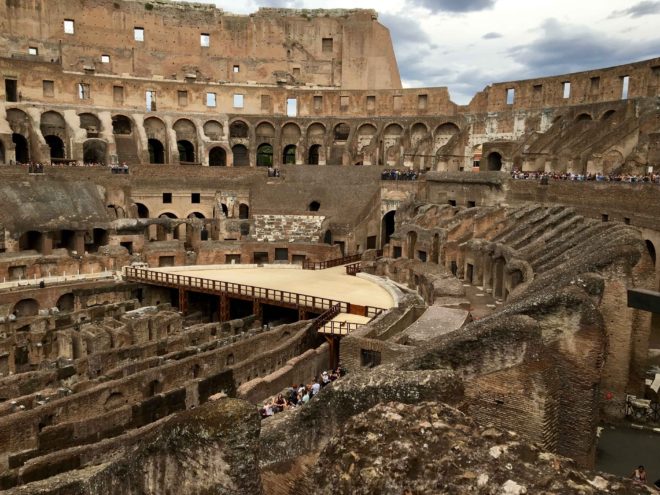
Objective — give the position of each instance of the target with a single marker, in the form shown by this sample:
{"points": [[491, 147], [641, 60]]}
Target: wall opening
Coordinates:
{"points": [[625, 83], [265, 155], [217, 157], [56, 146], [313, 158], [186, 151], [21, 147], [243, 211], [241, 158], [494, 162], [314, 206], [387, 227], [156, 151], [289, 155]]}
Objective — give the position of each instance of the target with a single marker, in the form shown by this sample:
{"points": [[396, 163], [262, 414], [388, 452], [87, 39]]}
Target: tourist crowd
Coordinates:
{"points": [[299, 395], [598, 177], [39, 167], [395, 174], [273, 172]]}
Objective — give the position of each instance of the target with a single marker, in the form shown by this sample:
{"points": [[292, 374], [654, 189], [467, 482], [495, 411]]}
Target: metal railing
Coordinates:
{"points": [[279, 297], [322, 265]]}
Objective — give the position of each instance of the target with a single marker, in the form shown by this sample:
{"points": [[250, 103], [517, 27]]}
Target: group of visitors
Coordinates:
{"points": [[394, 174], [273, 172], [597, 177], [119, 169], [299, 395]]}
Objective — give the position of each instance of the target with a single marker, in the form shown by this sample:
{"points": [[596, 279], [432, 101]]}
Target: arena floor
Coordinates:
{"points": [[332, 283]]}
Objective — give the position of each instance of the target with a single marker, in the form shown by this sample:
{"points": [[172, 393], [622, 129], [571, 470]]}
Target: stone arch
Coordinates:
{"points": [[316, 132], [651, 249], [156, 151], [186, 151], [314, 206], [240, 154], [365, 135], [447, 129], [122, 125], [238, 129], [21, 148], [341, 132], [289, 154], [494, 161], [95, 151], [18, 121], [583, 117], [291, 133], [243, 211], [90, 123], [213, 130], [56, 145], [387, 227], [265, 130], [265, 155], [327, 237], [186, 140], [411, 241], [66, 302], [608, 114], [26, 307], [141, 210], [393, 130], [314, 154], [196, 214], [52, 123], [217, 157]]}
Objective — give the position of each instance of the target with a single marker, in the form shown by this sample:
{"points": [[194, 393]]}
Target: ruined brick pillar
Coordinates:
{"points": [[46, 244], [78, 243]]}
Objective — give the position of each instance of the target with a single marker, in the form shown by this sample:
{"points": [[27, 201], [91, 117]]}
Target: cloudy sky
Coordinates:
{"points": [[467, 44]]}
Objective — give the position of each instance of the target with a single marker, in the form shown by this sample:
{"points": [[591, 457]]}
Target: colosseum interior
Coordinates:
{"points": [[198, 211]]}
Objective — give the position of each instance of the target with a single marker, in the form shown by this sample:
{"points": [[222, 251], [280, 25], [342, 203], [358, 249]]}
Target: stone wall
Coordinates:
{"points": [[288, 228]]}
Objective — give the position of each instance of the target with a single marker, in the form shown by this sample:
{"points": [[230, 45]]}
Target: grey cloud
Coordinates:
{"points": [[640, 9], [404, 30], [569, 48], [455, 6], [492, 35]]}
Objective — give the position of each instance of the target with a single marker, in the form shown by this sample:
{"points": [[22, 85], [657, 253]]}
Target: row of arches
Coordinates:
{"points": [[31, 307]]}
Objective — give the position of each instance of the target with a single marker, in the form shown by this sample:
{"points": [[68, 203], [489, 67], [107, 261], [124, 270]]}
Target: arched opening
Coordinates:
{"points": [[243, 211], [186, 151], [26, 307], [265, 130], [156, 151], [327, 237], [225, 210], [651, 249], [217, 157], [412, 242], [56, 146], [213, 130], [121, 125], [240, 153], [314, 206], [387, 228], [90, 123], [21, 147], [99, 238], [289, 155], [30, 240], [265, 155], [142, 210], [196, 214], [94, 151], [238, 129], [494, 161], [583, 117], [64, 239], [608, 115], [342, 131], [65, 303], [314, 154]]}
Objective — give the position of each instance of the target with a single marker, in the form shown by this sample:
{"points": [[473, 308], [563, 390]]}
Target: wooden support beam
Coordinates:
{"points": [[183, 301]]}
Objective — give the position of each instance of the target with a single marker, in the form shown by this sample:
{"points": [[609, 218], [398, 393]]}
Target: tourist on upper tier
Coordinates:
{"points": [[652, 178]]}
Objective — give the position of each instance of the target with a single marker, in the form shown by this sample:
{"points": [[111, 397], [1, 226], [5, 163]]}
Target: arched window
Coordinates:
{"points": [[156, 151], [289, 155], [314, 206], [186, 151], [494, 161], [265, 155], [243, 211], [241, 158], [314, 154], [217, 157]]}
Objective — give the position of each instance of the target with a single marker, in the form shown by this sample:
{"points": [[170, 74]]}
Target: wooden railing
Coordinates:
{"points": [[342, 328], [322, 265], [326, 317], [275, 296], [354, 268]]}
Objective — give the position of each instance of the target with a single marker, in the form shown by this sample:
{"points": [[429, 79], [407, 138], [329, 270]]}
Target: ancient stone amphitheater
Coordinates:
{"points": [[199, 209]]}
